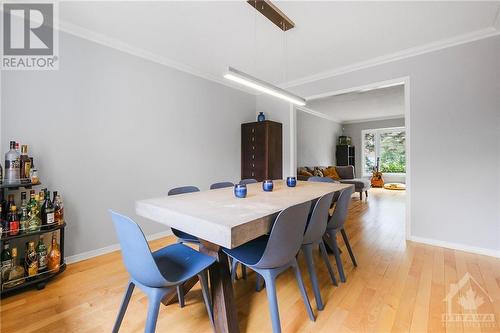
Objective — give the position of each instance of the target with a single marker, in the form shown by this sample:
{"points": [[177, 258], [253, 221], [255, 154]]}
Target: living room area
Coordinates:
{"points": [[355, 136]]}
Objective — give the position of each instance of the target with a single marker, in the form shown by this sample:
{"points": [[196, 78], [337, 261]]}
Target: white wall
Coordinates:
{"points": [[108, 128], [455, 140], [316, 140], [354, 131]]}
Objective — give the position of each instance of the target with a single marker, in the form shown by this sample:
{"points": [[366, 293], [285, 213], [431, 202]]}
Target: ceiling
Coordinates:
{"points": [[382, 103], [206, 37]]}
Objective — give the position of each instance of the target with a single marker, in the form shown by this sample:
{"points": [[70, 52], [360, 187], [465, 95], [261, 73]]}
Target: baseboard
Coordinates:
{"points": [[110, 248], [455, 246]]}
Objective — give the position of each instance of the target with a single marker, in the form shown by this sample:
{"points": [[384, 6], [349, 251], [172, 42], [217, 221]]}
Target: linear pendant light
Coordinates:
{"points": [[262, 86]]}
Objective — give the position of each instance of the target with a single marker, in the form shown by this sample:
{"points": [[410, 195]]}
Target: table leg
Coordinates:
{"points": [[224, 304]]}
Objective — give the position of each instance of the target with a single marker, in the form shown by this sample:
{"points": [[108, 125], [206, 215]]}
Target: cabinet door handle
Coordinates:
{"points": [[253, 157], [252, 174], [253, 138]]}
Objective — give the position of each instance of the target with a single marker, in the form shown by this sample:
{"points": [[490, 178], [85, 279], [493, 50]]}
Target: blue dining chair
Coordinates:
{"points": [[158, 272], [221, 185], [248, 181], [336, 224], [183, 237], [271, 255], [313, 236]]}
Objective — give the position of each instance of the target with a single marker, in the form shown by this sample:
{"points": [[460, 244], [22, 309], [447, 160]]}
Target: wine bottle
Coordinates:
{"points": [[48, 211]]}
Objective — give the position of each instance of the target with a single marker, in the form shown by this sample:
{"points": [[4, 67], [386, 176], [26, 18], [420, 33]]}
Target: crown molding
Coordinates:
{"points": [[408, 53], [317, 114], [367, 120], [116, 44]]}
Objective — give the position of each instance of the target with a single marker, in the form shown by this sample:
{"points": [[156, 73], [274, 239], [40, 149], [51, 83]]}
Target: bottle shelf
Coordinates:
{"points": [[22, 184], [43, 230], [39, 281]]}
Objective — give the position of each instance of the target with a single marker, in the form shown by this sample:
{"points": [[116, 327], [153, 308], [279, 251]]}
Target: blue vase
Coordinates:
{"points": [[261, 117], [240, 190], [291, 181], [267, 185]]}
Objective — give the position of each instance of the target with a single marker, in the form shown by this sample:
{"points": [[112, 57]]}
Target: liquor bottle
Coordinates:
{"points": [[25, 166], [31, 260], [32, 202], [13, 221], [14, 276], [12, 164], [48, 211], [24, 202], [41, 252], [10, 202], [4, 224], [1, 174], [39, 201], [58, 208], [6, 258], [34, 222], [24, 220], [54, 257]]}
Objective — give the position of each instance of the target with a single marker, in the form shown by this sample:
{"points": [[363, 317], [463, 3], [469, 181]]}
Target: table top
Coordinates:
{"points": [[217, 216]]}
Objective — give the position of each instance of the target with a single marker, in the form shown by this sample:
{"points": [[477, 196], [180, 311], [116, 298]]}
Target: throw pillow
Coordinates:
{"points": [[305, 173], [331, 172], [317, 172]]}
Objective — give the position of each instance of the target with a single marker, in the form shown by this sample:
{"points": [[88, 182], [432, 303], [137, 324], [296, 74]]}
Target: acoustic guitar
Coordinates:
{"points": [[377, 180]]}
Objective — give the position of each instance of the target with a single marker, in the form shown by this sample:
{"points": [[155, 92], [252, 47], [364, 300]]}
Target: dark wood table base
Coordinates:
{"points": [[221, 286]]}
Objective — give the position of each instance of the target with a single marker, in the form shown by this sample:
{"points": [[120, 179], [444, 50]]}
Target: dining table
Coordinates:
{"points": [[221, 220]]}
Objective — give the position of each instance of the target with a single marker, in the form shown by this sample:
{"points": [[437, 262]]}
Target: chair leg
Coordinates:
{"points": [[366, 194], [348, 245], [244, 271], [234, 267], [202, 276], [336, 253], [361, 195], [180, 295], [123, 307], [308, 251], [324, 254], [259, 283], [300, 282], [273, 301], [154, 300]]}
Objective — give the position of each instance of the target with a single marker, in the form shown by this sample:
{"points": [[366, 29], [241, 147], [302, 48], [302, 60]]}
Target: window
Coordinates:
{"points": [[389, 145]]}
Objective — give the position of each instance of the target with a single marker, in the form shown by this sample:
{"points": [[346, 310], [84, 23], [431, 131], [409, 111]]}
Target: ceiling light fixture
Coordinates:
{"points": [[262, 86]]}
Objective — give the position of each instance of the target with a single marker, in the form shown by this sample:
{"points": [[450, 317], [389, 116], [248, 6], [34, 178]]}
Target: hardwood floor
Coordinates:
{"points": [[398, 286]]}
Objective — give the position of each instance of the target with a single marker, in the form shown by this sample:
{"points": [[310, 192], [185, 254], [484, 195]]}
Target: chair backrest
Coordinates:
{"points": [[221, 185], [183, 189], [318, 219], [339, 216], [321, 179], [248, 181], [136, 253], [286, 236]]}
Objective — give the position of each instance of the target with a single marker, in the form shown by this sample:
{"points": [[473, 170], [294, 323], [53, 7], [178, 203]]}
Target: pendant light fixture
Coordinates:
{"points": [[271, 12]]}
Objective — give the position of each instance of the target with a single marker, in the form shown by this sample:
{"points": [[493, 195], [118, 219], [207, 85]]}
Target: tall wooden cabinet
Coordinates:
{"points": [[262, 150]]}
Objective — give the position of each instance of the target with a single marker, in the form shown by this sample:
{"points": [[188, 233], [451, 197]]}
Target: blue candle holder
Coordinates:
{"points": [[291, 181], [240, 190], [267, 185]]}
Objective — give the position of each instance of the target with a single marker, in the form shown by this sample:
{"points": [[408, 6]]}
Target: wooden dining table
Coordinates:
{"points": [[220, 220]]}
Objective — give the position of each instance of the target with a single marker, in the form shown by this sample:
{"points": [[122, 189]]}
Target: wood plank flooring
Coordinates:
{"points": [[398, 286]]}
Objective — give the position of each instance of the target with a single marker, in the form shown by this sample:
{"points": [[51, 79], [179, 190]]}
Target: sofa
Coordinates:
{"points": [[344, 174]]}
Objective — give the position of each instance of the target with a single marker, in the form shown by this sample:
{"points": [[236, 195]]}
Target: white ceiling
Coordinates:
{"points": [[206, 37], [380, 103]]}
